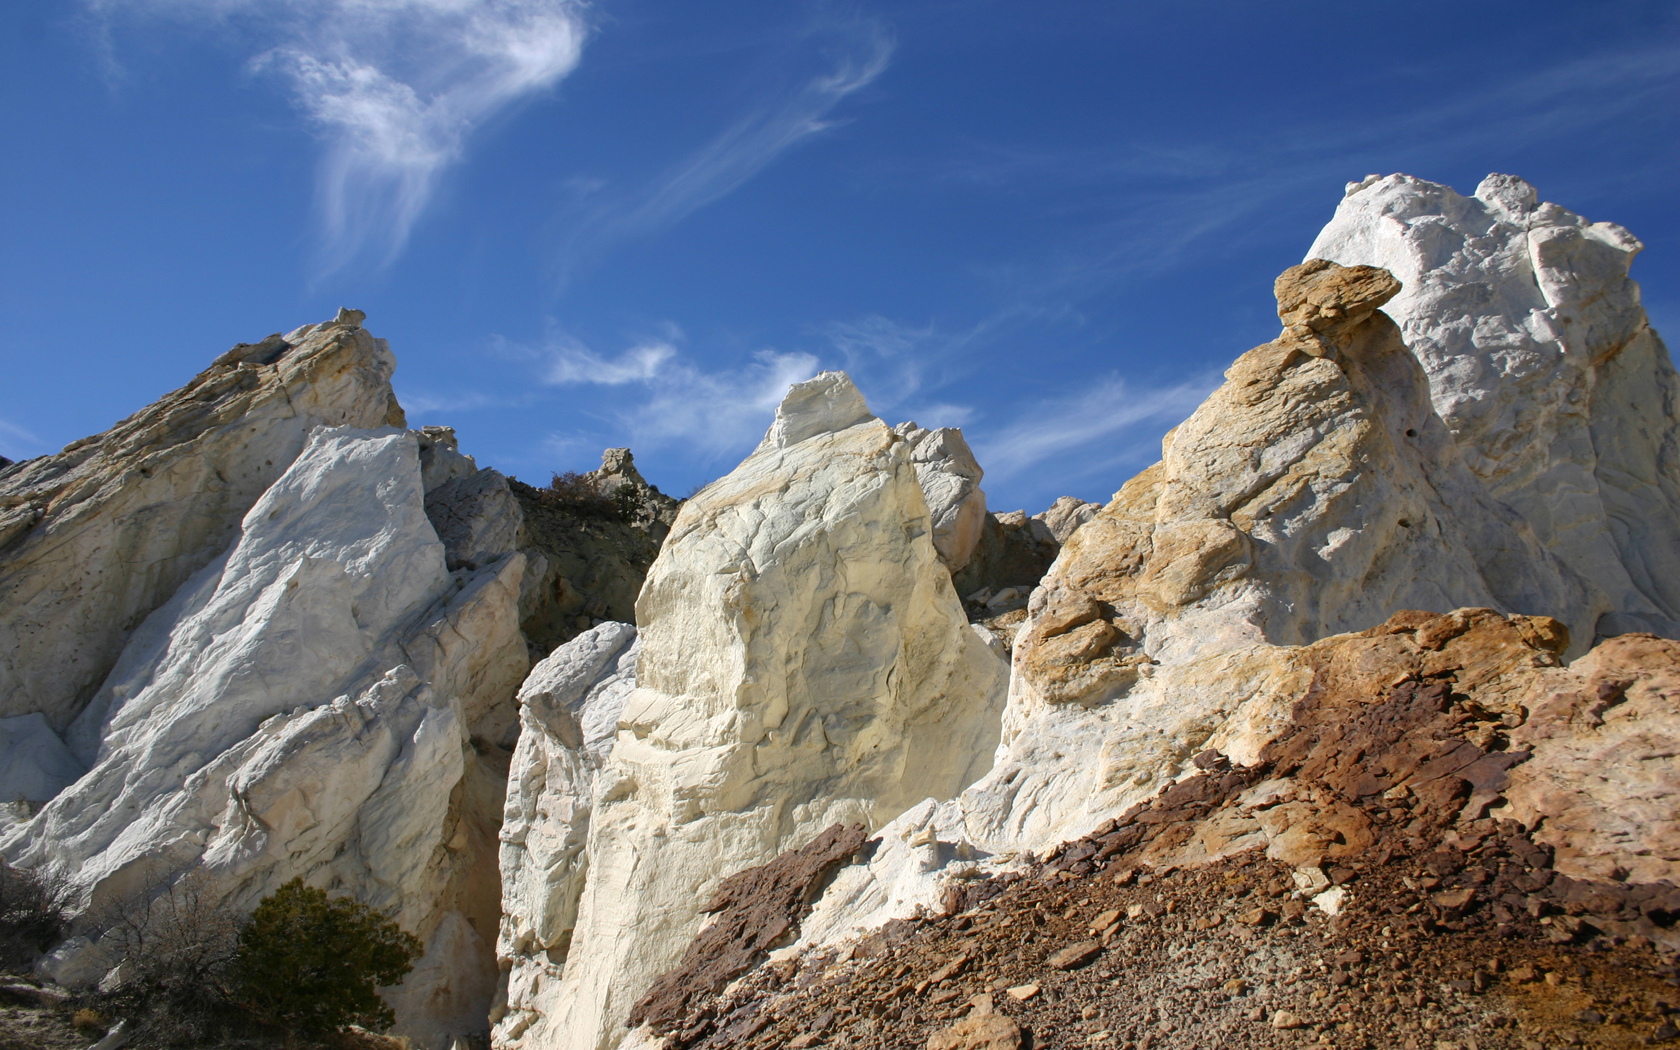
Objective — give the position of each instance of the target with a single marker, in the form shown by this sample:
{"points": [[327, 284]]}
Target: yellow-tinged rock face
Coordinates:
{"points": [[1314, 492]]}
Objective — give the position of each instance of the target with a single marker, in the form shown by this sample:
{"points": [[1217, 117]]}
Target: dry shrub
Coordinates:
{"points": [[31, 914], [176, 945], [89, 1021], [579, 494]]}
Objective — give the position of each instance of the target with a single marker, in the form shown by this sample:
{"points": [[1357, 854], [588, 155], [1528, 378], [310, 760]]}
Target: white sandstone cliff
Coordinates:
{"points": [[320, 698], [1558, 393], [568, 713], [96, 537], [804, 660]]}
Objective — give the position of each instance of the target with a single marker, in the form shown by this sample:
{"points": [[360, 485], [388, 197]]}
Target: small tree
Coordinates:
{"points": [[311, 965]]}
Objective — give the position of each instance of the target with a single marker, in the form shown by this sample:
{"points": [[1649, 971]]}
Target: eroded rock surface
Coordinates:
{"points": [[755, 911], [1541, 361], [568, 713], [950, 479], [1377, 831], [805, 662], [1314, 492], [329, 695], [95, 538]]}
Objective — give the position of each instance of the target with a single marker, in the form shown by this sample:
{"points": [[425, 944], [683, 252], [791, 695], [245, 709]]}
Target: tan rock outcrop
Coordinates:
{"points": [[95, 538]]}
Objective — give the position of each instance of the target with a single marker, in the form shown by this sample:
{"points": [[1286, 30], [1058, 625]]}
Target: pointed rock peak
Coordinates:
{"points": [[827, 403], [1509, 194], [349, 318], [1322, 295]]}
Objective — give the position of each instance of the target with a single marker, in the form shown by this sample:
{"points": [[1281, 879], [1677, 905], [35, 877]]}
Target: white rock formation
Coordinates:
{"points": [[804, 660], [950, 480], [1541, 361], [95, 538], [37, 764], [568, 712], [1349, 469], [1065, 515], [308, 703]]}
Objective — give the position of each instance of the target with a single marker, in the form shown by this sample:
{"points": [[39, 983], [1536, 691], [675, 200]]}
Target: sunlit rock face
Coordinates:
{"points": [[568, 713], [1471, 412], [804, 660], [321, 698], [95, 538], [1542, 363]]}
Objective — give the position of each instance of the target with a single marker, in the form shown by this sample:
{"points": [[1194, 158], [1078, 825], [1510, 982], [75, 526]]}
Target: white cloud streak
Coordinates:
{"points": [[735, 155], [677, 403], [574, 363], [18, 443], [1114, 423], [393, 88]]}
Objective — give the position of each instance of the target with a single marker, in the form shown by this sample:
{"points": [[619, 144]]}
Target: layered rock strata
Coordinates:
{"points": [[1559, 395], [322, 697], [805, 662], [95, 538]]}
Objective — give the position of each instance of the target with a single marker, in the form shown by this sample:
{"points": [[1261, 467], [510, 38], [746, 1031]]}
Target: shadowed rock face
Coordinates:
{"points": [[587, 563], [95, 538]]}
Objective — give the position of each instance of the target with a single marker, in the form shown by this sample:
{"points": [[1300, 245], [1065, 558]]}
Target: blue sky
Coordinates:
{"points": [[634, 221]]}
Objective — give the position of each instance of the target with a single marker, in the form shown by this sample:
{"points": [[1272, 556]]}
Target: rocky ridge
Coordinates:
{"points": [[95, 538], [1318, 490], [303, 628], [938, 776]]}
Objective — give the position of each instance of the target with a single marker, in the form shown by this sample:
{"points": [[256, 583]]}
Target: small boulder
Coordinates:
{"points": [[991, 1031], [1074, 955]]}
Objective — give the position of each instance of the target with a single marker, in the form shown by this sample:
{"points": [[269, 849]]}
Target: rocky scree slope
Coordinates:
{"points": [[1373, 880]]}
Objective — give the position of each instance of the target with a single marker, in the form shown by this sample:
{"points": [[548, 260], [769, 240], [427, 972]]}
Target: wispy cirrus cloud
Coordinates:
{"points": [[18, 442], [857, 53], [393, 88], [1111, 424], [659, 397]]}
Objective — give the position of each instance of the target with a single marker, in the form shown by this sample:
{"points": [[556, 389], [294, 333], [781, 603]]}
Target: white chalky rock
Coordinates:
{"points": [[1509, 444], [950, 480], [217, 744], [95, 538], [805, 660], [1558, 393], [568, 714]]}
